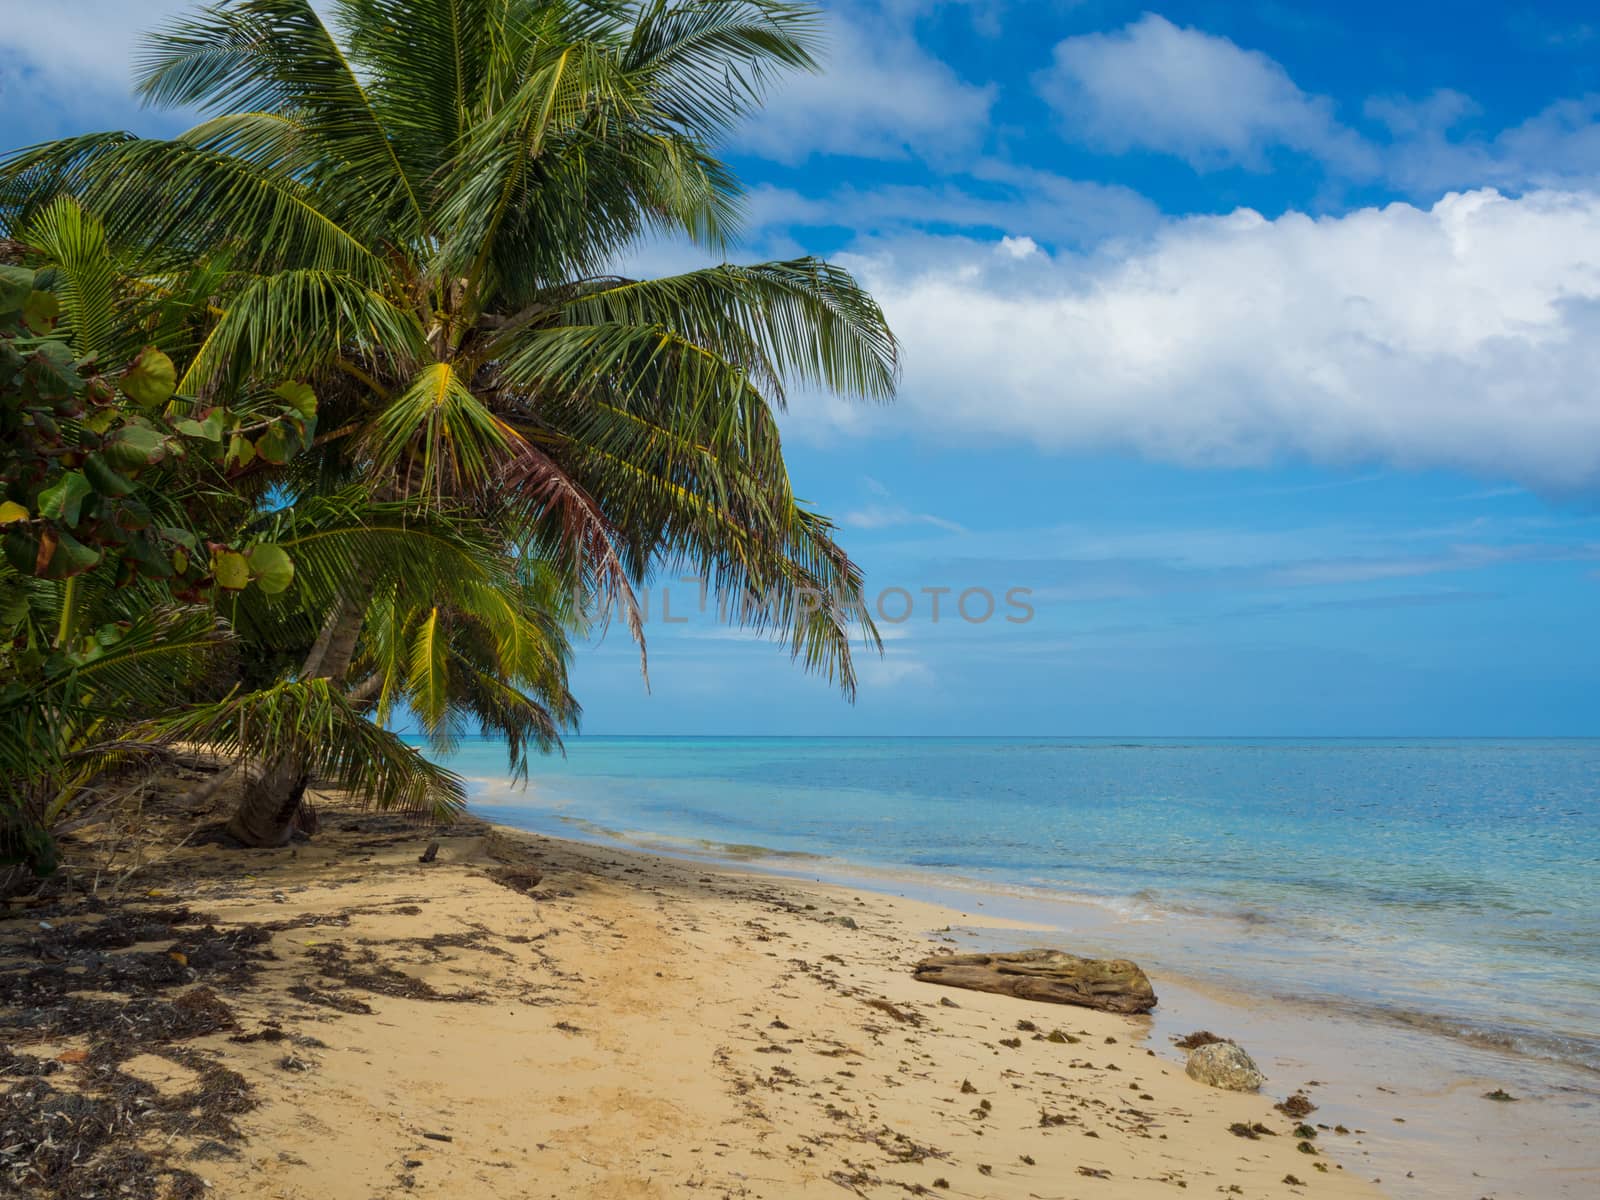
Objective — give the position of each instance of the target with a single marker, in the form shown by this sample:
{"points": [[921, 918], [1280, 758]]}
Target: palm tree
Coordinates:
{"points": [[423, 214], [156, 598]]}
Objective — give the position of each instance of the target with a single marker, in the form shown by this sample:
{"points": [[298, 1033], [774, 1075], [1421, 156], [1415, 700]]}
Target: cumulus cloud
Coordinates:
{"points": [[67, 67], [1463, 335], [1556, 147], [1159, 86], [1178, 90], [89, 43], [881, 95]]}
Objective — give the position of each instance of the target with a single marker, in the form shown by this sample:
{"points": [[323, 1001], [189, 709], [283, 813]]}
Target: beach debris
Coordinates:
{"points": [[1499, 1094], [1052, 976], [1253, 1132], [431, 853], [1293, 1182], [842, 922], [518, 879], [437, 1137], [1200, 1037], [946, 1002], [1296, 1106], [905, 1016], [1224, 1065]]}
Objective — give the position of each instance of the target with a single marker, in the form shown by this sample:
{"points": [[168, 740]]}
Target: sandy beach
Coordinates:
{"points": [[530, 1017]]}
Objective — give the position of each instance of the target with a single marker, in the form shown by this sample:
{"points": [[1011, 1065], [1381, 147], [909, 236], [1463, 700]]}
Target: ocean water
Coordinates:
{"points": [[1445, 885]]}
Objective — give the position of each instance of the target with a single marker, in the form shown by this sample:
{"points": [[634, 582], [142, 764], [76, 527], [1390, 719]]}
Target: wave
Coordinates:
{"points": [[1548, 1045], [738, 851]]}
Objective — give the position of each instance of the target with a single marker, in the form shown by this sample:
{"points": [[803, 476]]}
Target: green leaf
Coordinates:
{"points": [[298, 396], [273, 569], [11, 511], [151, 562], [130, 515], [151, 379], [54, 372], [135, 446], [180, 559], [273, 445], [104, 480], [232, 570], [67, 557], [63, 500], [16, 285], [240, 451], [182, 536], [100, 420], [45, 424], [40, 311]]}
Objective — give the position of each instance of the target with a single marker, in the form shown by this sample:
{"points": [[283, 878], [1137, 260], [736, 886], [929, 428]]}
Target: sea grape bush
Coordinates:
{"points": [[112, 468], [111, 485]]}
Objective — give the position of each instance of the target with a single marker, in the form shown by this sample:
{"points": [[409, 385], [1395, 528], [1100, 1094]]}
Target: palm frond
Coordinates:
{"points": [[712, 64], [311, 721], [803, 320], [450, 439], [427, 686], [294, 322], [73, 241], [277, 56], [182, 200]]}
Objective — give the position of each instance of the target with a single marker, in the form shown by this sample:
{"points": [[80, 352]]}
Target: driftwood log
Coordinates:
{"points": [[1109, 984]]}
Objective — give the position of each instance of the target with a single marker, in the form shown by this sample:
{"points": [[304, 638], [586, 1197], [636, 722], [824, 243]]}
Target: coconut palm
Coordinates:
{"points": [[422, 209], [170, 596]]}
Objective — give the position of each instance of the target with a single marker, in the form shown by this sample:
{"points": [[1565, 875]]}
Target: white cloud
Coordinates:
{"points": [[1178, 90], [1159, 86], [1557, 147], [67, 67], [1017, 247], [1463, 335], [892, 670], [888, 516], [85, 43], [990, 195], [880, 95]]}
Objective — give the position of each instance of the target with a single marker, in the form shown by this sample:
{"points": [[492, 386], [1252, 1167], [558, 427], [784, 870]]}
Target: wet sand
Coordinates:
{"points": [[1416, 1096]]}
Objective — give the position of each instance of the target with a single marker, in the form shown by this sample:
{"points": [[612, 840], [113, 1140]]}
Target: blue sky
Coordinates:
{"points": [[1259, 341]]}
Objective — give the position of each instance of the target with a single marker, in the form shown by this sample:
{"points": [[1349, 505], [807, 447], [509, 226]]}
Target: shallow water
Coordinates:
{"points": [[1434, 900]]}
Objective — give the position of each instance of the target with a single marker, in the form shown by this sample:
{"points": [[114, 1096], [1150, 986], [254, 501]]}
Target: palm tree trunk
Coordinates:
{"points": [[274, 791]]}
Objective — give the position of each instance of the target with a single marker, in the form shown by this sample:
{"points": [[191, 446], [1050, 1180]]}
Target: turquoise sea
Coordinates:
{"points": [[1449, 885]]}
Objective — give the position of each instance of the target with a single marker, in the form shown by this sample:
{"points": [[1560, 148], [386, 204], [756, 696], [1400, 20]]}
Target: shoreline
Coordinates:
{"points": [[1106, 919], [522, 1016], [1419, 1088]]}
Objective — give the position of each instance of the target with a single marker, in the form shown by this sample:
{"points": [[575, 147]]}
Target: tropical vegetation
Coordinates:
{"points": [[421, 422]]}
